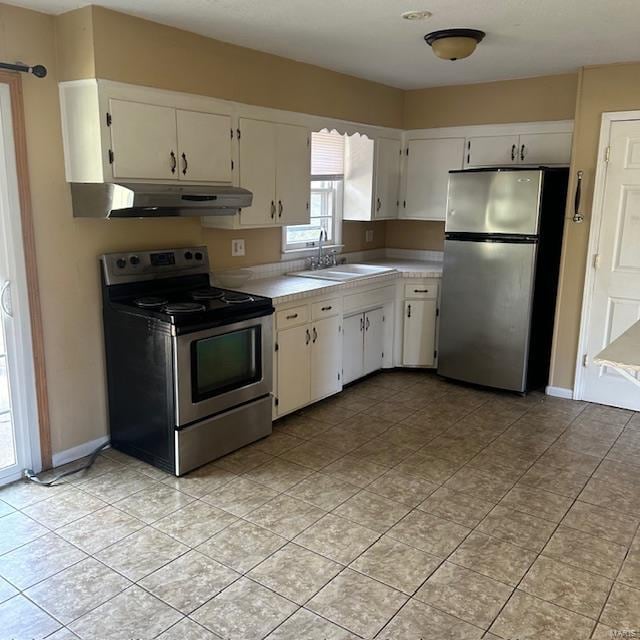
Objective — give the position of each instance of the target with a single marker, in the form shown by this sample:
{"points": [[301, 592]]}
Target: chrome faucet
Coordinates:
{"points": [[322, 232]]}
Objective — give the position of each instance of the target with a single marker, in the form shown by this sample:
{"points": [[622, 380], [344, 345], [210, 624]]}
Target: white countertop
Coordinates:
{"points": [[285, 288], [623, 352]]}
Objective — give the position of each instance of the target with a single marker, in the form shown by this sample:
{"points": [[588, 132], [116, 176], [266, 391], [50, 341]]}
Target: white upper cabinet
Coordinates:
{"points": [[275, 164], [204, 146], [371, 178], [387, 179], [293, 174], [257, 170], [491, 151], [545, 148], [144, 143], [427, 167]]}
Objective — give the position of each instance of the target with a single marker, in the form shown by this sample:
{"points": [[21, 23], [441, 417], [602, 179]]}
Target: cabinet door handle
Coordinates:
{"points": [[315, 335], [308, 337], [5, 300], [293, 316], [273, 209], [408, 311], [366, 326], [514, 148], [421, 291], [523, 152], [378, 204], [327, 308], [577, 216], [280, 208], [185, 164], [174, 162]]}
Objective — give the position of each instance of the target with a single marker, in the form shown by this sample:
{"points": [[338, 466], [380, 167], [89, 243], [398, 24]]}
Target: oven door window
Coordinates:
{"points": [[225, 362]]}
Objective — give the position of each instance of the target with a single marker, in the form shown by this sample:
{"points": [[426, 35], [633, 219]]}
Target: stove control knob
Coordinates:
{"points": [[121, 263], [134, 260], [198, 256], [188, 255]]}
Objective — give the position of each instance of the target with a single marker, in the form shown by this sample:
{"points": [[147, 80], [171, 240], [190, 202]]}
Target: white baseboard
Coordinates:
{"points": [[75, 453], [559, 392]]}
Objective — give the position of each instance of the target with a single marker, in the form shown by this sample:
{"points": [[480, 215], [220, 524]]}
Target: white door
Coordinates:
{"points": [[19, 445], [294, 367], [204, 146], [615, 302], [419, 338], [326, 357], [257, 169], [293, 174], [387, 179], [352, 348], [545, 148], [373, 340], [143, 141], [427, 177], [491, 151]]}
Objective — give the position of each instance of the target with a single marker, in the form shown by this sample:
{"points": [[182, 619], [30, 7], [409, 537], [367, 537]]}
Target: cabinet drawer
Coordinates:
{"points": [[421, 291], [326, 309], [292, 317]]}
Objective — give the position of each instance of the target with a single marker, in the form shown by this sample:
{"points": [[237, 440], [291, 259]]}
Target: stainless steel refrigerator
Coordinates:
{"points": [[503, 240]]}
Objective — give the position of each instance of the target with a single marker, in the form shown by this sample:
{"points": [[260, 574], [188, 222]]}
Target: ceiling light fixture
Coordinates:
{"points": [[416, 15], [454, 44]]}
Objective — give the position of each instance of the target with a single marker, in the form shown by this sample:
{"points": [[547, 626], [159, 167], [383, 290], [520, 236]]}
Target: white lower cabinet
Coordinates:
{"points": [[363, 344], [419, 339], [326, 357], [294, 368], [308, 355]]}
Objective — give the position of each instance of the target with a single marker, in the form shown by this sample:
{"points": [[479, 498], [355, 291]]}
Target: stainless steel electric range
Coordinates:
{"points": [[189, 366]]}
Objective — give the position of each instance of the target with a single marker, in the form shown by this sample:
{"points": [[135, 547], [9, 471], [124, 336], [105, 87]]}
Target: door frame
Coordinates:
{"points": [[597, 216], [40, 436]]}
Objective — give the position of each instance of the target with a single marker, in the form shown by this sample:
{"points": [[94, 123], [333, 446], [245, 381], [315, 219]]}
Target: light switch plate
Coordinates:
{"points": [[368, 235], [237, 247]]}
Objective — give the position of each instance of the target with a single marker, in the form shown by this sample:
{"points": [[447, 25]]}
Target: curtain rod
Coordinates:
{"points": [[38, 70]]}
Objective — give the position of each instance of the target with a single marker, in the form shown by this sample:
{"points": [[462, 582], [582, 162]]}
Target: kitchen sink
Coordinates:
{"points": [[343, 272]]}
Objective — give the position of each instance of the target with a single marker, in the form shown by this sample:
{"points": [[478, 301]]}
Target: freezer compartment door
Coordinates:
{"points": [[485, 320], [494, 202]]}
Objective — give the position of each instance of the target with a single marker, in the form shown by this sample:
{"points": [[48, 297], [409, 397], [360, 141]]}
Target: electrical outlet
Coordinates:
{"points": [[368, 235], [237, 247]]}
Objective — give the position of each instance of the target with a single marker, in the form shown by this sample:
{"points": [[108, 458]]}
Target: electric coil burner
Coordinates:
{"points": [[189, 366]]}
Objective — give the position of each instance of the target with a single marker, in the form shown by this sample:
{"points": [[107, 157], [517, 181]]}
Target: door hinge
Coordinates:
{"points": [[383, 354], [338, 375], [437, 312], [238, 133], [383, 317], [277, 346], [585, 360], [435, 354], [232, 165], [607, 154], [404, 204], [406, 152], [308, 142], [108, 119], [596, 260], [110, 156], [277, 402]]}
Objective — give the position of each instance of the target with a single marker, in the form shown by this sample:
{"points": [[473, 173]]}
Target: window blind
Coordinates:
{"points": [[327, 154]]}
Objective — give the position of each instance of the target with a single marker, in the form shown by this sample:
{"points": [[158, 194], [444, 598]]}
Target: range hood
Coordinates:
{"points": [[144, 200]]}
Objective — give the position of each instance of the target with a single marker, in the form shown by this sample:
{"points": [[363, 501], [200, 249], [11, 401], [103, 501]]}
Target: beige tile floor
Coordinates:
{"points": [[403, 508]]}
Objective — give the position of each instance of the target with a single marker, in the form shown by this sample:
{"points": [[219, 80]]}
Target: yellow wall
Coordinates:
{"points": [[67, 248], [602, 88], [524, 100]]}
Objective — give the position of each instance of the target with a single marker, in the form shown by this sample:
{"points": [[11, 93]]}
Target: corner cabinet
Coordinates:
{"points": [[121, 132], [371, 178], [430, 154]]}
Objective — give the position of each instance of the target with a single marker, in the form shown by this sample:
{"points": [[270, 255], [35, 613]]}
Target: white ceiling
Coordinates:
{"points": [[367, 38]]}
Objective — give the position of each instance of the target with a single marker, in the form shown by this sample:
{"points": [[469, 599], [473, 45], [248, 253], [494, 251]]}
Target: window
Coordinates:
{"points": [[327, 162]]}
